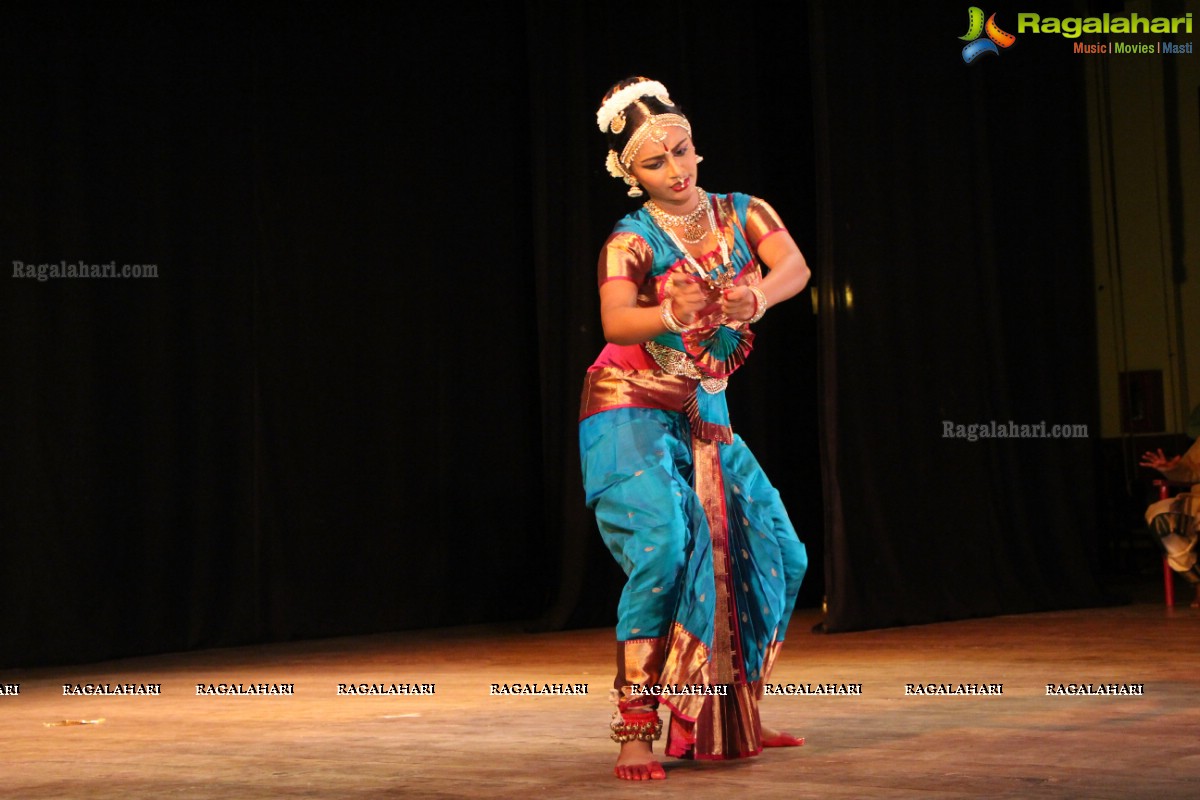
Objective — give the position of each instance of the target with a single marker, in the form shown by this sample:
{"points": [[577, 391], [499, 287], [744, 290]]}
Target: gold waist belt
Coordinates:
{"points": [[613, 387]]}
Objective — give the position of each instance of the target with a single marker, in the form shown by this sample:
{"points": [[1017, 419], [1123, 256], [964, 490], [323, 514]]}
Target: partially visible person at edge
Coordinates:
{"points": [[713, 564], [1176, 521]]}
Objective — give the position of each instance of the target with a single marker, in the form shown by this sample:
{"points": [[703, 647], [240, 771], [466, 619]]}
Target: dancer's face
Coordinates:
{"points": [[666, 169]]}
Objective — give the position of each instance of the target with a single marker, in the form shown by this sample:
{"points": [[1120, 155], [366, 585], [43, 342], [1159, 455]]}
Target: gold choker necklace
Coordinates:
{"points": [[693, 230]]}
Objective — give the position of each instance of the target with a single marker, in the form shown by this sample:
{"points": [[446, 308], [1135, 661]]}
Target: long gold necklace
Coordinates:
{"points": [[725, 274]]}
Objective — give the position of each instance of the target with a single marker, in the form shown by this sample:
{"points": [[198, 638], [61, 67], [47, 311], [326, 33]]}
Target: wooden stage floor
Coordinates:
{"points": [[464, 742]]}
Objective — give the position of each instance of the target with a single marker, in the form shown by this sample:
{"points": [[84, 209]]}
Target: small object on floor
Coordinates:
{"points": [[782, 739]]}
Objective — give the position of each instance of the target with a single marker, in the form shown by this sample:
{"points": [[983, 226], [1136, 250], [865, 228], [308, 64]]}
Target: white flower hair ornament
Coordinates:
{"points": [[614, 105], [611, 117]]}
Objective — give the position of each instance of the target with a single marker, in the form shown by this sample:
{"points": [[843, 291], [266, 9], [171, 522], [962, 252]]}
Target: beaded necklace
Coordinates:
{"points": [[723, 279]]}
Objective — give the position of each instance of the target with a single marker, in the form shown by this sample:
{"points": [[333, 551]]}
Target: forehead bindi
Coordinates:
{"points": [[654, 147]]}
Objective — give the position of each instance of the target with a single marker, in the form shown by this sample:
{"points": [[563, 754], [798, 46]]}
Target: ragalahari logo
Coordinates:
{"points": [[976, 27]]}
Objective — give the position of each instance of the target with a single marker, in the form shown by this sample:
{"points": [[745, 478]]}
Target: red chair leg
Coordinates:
{"points": [[1168, 584], [1164, 491]]}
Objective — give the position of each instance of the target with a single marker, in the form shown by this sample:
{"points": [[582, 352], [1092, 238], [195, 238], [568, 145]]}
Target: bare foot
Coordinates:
{"points": [[637, 763], [776, 738]]}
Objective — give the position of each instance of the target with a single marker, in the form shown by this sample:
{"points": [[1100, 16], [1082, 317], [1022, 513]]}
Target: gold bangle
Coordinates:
{"points": [[760, 304], [669, 319]]}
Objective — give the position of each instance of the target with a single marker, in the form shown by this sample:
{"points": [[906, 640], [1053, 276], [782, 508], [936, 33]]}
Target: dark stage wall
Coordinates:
{"points": [[955, 281], [347, 402]]}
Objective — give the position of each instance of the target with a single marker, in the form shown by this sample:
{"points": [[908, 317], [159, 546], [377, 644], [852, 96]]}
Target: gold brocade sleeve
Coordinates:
{"points": [[761, 222], [625, 255]]}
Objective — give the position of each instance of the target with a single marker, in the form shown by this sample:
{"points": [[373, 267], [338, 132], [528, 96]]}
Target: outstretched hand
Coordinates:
{"points": [[1156, 460]]}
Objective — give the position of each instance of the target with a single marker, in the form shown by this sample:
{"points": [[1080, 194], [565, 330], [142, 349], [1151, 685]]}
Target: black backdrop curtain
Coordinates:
{"points": [[955, 286], [323, 416], [347, 402]]}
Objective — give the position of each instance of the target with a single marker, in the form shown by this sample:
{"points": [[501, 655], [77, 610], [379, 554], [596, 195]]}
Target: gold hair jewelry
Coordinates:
{"points": [[611, 117], [614, 167], [654, 127], [622, 98]]}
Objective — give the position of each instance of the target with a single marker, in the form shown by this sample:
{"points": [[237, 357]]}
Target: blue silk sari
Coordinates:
{"points": [[712, 561]]}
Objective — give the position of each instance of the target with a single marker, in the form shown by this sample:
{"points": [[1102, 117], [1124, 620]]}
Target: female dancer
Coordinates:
{"points": [[713, 563]]}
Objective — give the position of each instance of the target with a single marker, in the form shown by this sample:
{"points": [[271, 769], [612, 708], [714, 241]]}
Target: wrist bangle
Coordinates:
{"points": [[668, 317], [760, 304]]}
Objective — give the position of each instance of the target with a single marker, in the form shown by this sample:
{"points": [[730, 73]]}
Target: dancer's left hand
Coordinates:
{"points": [[738, 303]]}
